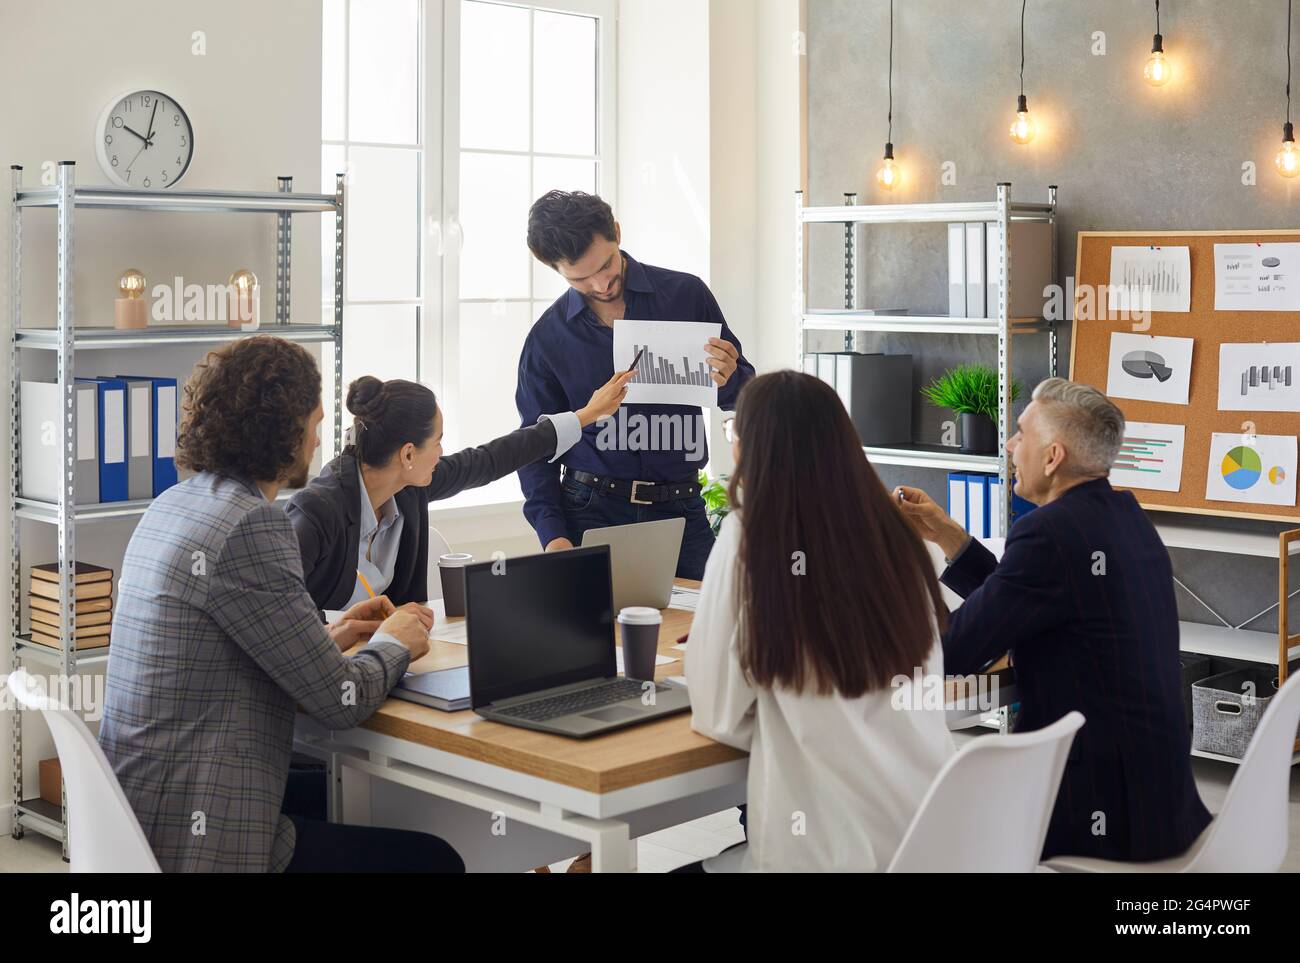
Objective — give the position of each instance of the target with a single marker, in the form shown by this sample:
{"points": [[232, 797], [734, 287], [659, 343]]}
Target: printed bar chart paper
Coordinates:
{"points": [[1150, 278], [1259, 377], [1151, 457], [673, 368]]}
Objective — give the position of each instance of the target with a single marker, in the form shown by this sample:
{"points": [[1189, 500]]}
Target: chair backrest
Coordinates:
{"points": [[437, 547], [987, 811], [103, 834], [1249, 835]]}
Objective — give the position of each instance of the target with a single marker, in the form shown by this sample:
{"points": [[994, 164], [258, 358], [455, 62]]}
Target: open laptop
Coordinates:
{"points": [[541, 647], [644, 557]]}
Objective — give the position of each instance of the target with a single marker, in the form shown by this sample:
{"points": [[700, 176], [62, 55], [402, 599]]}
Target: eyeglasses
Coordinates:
{"points": [[729, 429]]}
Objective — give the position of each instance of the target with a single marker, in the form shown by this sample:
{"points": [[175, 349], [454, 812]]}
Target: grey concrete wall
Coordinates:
{"points": [[1125, 155]]}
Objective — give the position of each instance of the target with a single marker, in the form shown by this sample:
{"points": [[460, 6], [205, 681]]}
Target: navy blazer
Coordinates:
{"points": [[1083, 599], [326, 515]]}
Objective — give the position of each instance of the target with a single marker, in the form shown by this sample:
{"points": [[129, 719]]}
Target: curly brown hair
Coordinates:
{"points": [[246, 407]]}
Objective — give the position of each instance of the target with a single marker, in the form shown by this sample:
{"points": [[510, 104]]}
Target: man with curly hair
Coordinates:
{"points": [[216, 641]]}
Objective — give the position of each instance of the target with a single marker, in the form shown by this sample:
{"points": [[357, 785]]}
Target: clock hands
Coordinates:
{"points": [[141, 136], [149, 139], [137, 153]]}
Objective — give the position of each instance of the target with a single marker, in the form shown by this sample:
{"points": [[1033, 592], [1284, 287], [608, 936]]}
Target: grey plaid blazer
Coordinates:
{"points": [[215, 641]]}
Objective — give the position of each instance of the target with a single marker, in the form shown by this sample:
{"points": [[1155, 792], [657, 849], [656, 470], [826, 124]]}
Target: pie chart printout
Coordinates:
{"points": [[1241, 468], [1147, 364], [1277, 475]]}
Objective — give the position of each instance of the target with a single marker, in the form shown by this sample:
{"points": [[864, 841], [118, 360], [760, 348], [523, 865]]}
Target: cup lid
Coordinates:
{"points": [[455, 559], [640, 615]]}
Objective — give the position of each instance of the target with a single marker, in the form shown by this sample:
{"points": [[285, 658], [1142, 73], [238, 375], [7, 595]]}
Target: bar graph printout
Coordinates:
{"points": [[673, 368], [1151, 456]]}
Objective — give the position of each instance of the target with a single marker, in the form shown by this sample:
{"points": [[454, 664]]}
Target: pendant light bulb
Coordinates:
{"points": [[1287, 160], [1157, 70], [1023, 129], [888, 175]]}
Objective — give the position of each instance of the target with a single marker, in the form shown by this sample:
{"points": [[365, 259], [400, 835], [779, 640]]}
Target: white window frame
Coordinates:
{"points": [[441, 339], [427, 93]]}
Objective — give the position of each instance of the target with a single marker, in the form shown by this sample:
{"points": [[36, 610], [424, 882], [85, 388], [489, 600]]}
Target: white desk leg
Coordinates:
{"points": [[612, 850]]}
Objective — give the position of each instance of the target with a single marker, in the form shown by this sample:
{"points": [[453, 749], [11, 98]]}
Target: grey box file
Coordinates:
{"points": [[41, 403], [876, 390], [139, 437], [957, 270]]}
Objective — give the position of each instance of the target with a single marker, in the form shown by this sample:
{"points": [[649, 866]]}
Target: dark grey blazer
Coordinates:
{"points": [[326, 514]]}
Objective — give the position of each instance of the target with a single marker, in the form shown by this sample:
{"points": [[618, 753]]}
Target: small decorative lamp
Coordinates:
{"points": [[244, 300], [130, 310]]}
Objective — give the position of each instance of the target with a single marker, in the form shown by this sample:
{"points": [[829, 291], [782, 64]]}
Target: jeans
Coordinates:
{"points": [[324, 847], [585, 509]]}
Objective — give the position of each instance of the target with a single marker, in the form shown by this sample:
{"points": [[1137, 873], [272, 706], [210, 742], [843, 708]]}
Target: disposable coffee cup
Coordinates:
{"points": [[451, 570], [640, 630]]}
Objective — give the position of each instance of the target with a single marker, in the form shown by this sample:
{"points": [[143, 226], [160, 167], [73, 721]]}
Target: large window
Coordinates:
{"points": [[372, 129], [451, 117]]}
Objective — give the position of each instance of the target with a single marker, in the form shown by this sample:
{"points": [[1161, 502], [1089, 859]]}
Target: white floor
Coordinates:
{"points": [[662, 851]]}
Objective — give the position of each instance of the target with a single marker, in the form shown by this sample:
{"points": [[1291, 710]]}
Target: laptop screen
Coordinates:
{"points": [[545, 621]]}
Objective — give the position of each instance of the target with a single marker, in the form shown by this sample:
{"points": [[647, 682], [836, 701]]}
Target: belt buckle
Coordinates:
{"points": [[638, 501]]}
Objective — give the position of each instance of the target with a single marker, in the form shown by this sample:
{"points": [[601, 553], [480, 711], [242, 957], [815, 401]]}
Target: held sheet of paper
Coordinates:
{"points": [[442, 631], [674, 368]]}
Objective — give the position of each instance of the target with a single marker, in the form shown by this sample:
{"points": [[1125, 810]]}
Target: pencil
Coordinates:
{"points": [[636, 360], [362, 579]]}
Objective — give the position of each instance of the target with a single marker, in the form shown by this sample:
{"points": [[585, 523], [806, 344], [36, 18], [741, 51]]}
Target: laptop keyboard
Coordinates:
{"points": [[607, 693]]}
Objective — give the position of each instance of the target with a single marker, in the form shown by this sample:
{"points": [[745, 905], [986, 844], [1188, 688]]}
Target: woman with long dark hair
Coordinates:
{"points": [[819, 604]]}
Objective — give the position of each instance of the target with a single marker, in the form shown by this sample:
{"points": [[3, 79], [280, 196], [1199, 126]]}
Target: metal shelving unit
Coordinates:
{"points": [[65, 339], [1002, 212]]}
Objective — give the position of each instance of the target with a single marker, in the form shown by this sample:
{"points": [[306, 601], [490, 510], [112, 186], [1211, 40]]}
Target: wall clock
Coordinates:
{"points": [[144, 140]]}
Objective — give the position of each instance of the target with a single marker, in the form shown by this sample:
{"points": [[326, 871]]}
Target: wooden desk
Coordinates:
{"points": [[602, 792], [473, 782]]}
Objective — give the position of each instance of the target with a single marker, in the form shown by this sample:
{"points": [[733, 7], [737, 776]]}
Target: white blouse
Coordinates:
{"points": [[833, 782]]}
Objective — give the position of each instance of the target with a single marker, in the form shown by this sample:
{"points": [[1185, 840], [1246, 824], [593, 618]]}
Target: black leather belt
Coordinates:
{"points": [[636, 492]]}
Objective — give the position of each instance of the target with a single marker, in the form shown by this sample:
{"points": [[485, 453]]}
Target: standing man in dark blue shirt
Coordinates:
{"points": [[643, 464]]}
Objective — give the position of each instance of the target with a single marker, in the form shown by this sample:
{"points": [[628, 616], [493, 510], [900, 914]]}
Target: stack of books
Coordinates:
{"points": [[92, 592]]}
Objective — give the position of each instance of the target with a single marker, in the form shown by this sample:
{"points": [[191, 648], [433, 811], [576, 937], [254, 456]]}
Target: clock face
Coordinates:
{"points": [[145, 140]]}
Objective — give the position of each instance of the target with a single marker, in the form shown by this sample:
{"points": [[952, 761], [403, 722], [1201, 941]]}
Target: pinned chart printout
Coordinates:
{"points": [[1148, 368], [1252, 469], [1151, 457], [1259, 377], [673, 368], [1257, 277], [1150, 279]]}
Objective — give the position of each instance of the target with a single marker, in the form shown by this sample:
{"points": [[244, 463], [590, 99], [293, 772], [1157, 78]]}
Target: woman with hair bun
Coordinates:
{"points": [[368, 510]]}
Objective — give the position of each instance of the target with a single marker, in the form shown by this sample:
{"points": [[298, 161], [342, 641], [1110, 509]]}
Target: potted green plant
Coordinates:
{"points": [[716, 505], [971, 392]]}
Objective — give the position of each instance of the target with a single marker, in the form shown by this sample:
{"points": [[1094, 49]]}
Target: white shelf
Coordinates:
{"points": [[922, 213], [930, 456], [28, 649], [1259, 544], [127, 198], [1217, 640], [42, 511], [91, 337], [1217, 757]]}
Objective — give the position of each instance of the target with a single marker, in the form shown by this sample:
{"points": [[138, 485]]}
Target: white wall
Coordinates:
{"points": [[254, 101]]}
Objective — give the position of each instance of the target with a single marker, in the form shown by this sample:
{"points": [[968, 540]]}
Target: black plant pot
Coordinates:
{"points": [[979, 434]]}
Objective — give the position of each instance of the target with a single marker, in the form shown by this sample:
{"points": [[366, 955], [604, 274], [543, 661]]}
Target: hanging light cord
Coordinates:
{"points": [[1023, 4], [889, 137], [1158, 15], [1288, 61]]}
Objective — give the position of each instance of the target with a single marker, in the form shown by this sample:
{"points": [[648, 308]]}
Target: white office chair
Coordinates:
{"points": [[437, 547], [103, 833], [1249, 835], [988, 809]]}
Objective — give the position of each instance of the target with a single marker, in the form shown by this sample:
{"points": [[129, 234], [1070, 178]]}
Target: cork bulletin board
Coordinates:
{"points": [[1090, 357]]}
